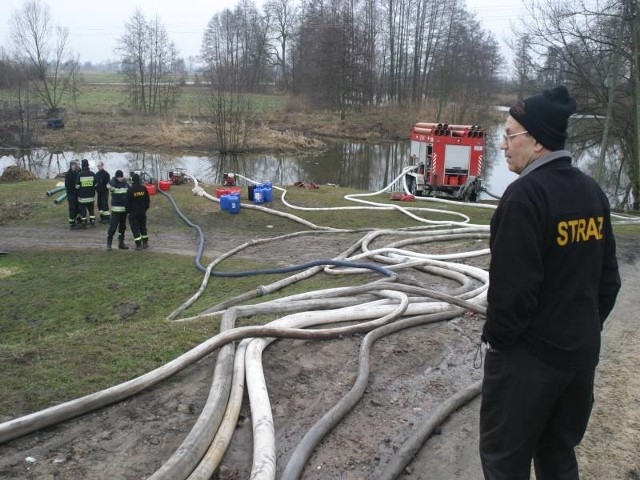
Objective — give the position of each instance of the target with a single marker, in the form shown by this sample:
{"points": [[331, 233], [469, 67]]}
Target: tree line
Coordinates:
{"points": [[346, 54], [341, 54]]}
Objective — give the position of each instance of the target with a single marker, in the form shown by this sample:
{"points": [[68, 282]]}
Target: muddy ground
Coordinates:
{"points": [[412, 373]]}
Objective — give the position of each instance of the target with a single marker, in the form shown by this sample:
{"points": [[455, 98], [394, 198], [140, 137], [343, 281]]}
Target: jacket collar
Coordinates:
{"points": [[544, 159]]}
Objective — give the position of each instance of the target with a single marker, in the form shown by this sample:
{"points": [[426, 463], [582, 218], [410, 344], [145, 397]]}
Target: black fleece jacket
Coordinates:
{"points": [[137, 199], [553, 278]]}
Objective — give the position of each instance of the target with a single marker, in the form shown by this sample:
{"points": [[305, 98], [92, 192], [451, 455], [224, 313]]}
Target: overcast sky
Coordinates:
{"points": [[95, 26]]}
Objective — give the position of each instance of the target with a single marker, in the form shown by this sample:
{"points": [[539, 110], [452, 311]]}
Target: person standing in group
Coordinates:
{"points": [[118, 187], [553, 280], [70, 182], [102, 181], [86, 185], [138, 201]]}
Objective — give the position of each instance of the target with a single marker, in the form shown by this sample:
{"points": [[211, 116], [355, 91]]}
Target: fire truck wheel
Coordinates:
{"points": [[411, 185]]}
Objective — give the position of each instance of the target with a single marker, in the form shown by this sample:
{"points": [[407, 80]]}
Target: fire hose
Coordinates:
{"points": [[375, 305]]}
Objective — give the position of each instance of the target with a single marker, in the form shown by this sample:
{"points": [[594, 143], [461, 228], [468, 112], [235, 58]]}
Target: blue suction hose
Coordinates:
{"points": [[200, 252], [292, 268]]}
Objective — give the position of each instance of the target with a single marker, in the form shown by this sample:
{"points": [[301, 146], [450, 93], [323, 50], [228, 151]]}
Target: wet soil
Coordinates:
{"points": [[412, 372]]}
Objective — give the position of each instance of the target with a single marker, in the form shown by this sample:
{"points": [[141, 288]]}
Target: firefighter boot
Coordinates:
{"points": [[145, 243], [109, 243], [138, 245], [121, 244]]}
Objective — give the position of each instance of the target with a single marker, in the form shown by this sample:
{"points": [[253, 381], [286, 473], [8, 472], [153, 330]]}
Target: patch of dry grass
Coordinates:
{"points": [[282, 124]]}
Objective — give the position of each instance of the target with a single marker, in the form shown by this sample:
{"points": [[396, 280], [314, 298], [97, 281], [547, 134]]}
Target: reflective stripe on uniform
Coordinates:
{"points": [[116, 191]]}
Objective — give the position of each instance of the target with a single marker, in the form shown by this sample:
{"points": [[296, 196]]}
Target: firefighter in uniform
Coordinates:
{"points": [[137, 206], [70, 181], [86, 194], [118, 187], [102, 180]]}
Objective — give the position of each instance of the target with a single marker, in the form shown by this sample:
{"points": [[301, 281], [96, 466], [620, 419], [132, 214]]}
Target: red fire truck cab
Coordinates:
{"points": [[447, 161]]}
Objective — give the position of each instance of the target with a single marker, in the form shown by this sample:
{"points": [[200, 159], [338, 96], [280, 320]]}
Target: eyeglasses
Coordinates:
{"points": [[507, 137]]}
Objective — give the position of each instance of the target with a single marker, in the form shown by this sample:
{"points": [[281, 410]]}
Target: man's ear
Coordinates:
{"points": [[539, 148]]}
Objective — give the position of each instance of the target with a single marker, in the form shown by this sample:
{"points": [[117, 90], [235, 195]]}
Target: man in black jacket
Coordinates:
{"points": [[70, 182], [553, 281], [137, 206], [102, 181]]}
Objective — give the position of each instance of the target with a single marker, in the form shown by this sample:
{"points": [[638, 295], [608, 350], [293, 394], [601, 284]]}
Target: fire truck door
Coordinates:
{"points": [[457, 156]]}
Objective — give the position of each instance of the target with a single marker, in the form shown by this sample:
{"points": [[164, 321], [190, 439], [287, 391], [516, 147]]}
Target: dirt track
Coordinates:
{"points": [[412, 372]]}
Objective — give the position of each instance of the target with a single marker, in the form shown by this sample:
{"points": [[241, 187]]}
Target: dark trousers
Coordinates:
{"points": [[118, 222], [103, 204], [138, 224], [84, 208], [531, 410], [73, 208]]}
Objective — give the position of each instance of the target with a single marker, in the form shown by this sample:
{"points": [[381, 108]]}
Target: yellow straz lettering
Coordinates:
{"points": [[563, 236], [580, 230], [582, 226], [138, 194]]}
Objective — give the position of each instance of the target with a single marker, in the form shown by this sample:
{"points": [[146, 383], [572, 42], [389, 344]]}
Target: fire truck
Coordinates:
{"points": [[446, 161]]}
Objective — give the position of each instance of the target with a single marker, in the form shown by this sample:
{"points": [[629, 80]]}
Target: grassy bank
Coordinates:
{"points": [[276, 130], [76, 319]]}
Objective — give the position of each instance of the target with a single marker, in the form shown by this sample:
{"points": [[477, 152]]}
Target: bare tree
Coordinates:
{"points": [[335, 61], [19, 110], [231, 110], [524, 72], [283, 20], [590, 47], [233, 50], [239, 39], [631, 15], [150, 63], [40, 46]]}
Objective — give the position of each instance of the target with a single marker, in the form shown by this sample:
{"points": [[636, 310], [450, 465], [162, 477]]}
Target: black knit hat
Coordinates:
{"points": [[545, 116], [135, 178], [119, 174], [85, 163]]}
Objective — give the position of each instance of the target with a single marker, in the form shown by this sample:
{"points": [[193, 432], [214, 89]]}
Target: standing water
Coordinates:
{"points": [[358, 165]]}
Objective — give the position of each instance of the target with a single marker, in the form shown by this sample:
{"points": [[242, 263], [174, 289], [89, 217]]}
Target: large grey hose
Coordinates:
{"points": [[186, 458], [312, 438], [51, 416], [194, 446], [264, 451], [218, 447], [417, 439]]}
